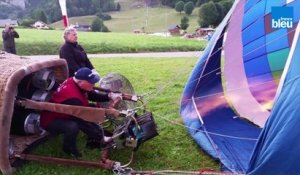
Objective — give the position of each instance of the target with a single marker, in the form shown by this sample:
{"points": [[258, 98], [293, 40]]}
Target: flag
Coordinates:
{"points": [[63, 8]]}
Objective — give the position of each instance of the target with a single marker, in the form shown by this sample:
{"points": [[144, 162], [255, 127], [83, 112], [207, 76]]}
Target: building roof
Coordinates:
{"points": [[205, 29], [81, 27], [173, 26], [40, 22]]}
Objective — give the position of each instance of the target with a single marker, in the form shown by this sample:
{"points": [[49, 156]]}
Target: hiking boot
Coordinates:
{"points": [[93, 143], [108, 143], [73, 152], [107, 139]]}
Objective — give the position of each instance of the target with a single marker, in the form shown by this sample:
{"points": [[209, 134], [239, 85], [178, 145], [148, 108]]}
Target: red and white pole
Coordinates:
{"points": [[63, 8]]}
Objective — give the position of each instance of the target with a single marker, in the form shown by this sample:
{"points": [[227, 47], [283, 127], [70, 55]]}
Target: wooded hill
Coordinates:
{"points": [[120, 15]]}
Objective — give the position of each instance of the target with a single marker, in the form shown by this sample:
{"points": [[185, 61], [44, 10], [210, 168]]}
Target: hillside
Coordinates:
{"points": [[18, 3], [153, 19]]}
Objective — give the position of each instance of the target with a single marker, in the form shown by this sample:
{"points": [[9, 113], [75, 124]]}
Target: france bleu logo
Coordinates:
{"points": [[282, 17]]}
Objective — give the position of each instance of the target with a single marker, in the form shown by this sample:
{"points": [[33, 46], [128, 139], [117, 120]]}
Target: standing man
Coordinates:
{"points": [[8, 35], [73, 53]]}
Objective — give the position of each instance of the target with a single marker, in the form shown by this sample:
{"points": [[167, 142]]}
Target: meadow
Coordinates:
{"points": [[47, 42], [152, 19], [161, 81]]}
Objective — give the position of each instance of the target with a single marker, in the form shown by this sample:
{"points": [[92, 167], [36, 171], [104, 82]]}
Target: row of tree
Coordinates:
{"points": [[80, 8], [49, 11], [197, 3], [12, 12], [211, 12], [98, 25], [186, 7]]}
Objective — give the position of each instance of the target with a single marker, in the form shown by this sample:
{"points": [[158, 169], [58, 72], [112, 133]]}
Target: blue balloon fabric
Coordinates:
{"points": [[240, 101]]}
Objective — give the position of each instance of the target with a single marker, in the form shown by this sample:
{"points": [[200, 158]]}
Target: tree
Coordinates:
{"points": [[104, 29], [43, 17], [208, 14], [27, 22], [188, 8], [184, 23], [169, 3], [200, 2], [213, 13], [54, 14], [109, 5], [221, 14], [179, 6], [12, 12], [96, 4], [97, 24], [103, 16], [172, 3], [226, 5], [118, 7], [39, 15]]}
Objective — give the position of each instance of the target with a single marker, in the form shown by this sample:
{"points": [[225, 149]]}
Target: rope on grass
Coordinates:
{"points": [[182, 172]]}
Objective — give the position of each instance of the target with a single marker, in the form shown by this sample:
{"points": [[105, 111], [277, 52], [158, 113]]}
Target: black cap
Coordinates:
{"points": [[86, 74]]}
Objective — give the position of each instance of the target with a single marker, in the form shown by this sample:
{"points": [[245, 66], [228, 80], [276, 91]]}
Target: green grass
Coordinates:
{"points": [[39, 42], [127, 4], [173, 149], [156, 19]]}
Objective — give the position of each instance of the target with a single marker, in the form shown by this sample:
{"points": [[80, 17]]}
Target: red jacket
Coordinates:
{"points": [[67, 90]]}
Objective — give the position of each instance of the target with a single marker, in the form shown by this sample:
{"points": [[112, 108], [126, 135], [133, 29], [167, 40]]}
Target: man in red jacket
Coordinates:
{"points": [[77, 90]]}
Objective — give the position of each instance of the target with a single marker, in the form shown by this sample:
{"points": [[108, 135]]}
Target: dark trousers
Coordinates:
{"points": [[70, 129], [10, 50]]}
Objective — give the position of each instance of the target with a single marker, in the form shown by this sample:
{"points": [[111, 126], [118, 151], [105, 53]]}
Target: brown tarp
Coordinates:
{"points": [[91, 114], [13, 69]]}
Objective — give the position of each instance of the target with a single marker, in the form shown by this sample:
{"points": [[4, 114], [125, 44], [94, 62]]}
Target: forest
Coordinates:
{"points": [[210, 14]]}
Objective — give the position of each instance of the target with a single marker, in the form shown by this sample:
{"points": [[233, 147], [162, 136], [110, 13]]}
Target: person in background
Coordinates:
{"points": [[77, 58], [8, 35], [76, 90], [74, 53], [209, 35]]}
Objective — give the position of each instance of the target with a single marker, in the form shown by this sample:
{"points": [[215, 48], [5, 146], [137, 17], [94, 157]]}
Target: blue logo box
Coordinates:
{"points": [[282, 17], [282, 12]]}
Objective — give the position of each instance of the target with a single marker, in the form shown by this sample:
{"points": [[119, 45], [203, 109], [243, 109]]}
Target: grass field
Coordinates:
{"points": [[47, 42], [156, 19], [164, 79], [152, 19]]}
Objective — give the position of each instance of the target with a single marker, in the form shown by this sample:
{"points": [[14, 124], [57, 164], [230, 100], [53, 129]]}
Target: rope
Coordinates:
{"points": [[182, 172], [203, 131], [232, 90], [170, 83]]}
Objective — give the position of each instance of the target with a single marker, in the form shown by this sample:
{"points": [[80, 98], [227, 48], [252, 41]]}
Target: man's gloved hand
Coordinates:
{"points": [[114, 96], [112, 113]]}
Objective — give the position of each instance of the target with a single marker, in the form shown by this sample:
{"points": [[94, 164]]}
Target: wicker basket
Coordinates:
{"points": [[13, 69]]}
